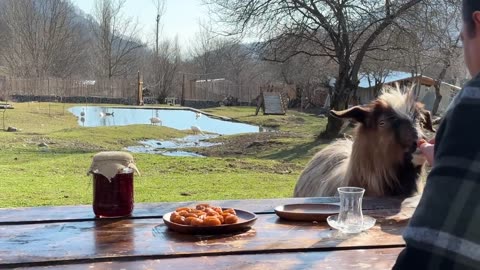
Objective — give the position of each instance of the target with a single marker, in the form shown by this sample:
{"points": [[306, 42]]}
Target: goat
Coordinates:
{"points": [[383, 157]]}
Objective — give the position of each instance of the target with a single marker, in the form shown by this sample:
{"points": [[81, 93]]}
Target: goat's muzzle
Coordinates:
{"points": [[407, 135]]}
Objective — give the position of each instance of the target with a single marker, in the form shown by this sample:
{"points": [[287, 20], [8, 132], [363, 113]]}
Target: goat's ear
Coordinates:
{"points": [[357, 113]]}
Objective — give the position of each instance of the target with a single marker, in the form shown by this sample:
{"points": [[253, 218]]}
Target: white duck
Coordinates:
{"points": [[155, 121], [196, 130], [103, 114]]}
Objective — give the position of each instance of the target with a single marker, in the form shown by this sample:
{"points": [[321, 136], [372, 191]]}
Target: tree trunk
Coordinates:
{"points": [[339, 101], [334, 126], [441, 76], [438, 99], [344, 86], [438, 85], [162, 97], [377, 88]]}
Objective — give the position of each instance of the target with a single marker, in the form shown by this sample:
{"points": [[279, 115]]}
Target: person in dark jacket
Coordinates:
{"points": [[444, 232]]}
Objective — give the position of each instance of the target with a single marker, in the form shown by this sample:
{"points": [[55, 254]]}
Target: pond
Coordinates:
{"points": [[93, 116]]}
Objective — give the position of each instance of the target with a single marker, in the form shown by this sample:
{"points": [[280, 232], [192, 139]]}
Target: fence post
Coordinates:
{"points": [[182, 98], [48, 93]]}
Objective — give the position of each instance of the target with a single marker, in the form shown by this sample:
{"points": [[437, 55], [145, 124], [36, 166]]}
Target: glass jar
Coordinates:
{"points": [[113, 184], [113, 198]]}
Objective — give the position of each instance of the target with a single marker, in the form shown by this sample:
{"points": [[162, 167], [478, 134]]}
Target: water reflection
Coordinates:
{"points": [[114, 236], [94, 116], [162, 147]]}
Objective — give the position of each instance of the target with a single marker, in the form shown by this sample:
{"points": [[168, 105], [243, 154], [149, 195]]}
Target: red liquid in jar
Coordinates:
{"points": [[113, 198]]}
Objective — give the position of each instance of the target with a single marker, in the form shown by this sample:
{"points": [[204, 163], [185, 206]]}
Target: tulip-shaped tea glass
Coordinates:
{"points": [[350, 218]]}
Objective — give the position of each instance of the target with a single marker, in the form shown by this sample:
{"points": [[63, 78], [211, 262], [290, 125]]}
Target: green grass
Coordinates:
{"points": [[33, 179], [296, 141], [268, 168], [293, 121]]}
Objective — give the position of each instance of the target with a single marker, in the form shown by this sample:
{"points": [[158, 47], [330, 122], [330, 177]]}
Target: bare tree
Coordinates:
{"points": [[115, 38], [165, 61], [160, 8], [444, 28], [215, 56], [310, 76], [167, 65], [430, 38], [42, 38], [204, 51], [235, 59], [416, 57], [342, 30], [391, 47]]}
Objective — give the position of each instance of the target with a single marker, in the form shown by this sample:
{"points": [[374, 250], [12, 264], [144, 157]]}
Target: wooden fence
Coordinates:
{"points": [[42, 89], [64, 88], [218, 89], [213, 90]]}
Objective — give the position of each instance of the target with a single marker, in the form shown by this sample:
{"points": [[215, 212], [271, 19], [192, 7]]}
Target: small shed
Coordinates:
{"points": [[425, 90]]}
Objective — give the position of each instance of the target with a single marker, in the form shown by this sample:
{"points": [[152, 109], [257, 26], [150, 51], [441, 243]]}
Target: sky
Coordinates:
{"points": [[181, 17]]}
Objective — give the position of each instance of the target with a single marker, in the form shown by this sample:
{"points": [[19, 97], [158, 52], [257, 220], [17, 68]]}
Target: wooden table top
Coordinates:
{"points": [[69, 237]]}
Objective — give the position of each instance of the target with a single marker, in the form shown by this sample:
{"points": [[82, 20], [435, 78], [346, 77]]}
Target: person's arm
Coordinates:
{"points": [[444, 231]]}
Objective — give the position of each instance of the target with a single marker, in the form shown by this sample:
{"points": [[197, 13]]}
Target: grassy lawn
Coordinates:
{"points": [[295, 140], [261, 165]]}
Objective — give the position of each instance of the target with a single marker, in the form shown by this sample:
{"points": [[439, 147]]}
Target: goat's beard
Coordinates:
{"points": [[418, 159]]}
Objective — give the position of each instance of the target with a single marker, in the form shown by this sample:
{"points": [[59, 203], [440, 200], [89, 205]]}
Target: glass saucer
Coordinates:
{"points": [[368, 223]]}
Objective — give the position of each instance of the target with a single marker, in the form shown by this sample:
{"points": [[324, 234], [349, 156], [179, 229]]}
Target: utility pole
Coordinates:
{"points": [[156, 34], [160, 6]]}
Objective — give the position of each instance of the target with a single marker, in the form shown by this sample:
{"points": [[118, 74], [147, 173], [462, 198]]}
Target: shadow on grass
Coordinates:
{"points": [[298, 151]]}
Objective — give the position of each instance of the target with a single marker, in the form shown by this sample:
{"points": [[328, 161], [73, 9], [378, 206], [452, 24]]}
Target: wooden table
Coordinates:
{"points": [[69, 237]]}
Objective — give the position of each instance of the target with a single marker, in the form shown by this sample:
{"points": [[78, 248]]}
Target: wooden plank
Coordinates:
{"points": [[149, 238], [273, 103], [372, 259], [146, 210]]}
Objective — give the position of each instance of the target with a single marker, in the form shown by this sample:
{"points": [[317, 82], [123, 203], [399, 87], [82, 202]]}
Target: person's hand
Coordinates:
{"points": [[427, 149]]}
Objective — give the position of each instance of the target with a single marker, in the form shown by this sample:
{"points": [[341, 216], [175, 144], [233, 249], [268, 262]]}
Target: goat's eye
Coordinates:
{"points": [[381, 123]]}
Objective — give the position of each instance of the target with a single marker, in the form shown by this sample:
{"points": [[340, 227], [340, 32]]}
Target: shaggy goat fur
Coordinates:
{"points": [[383, 157]]}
